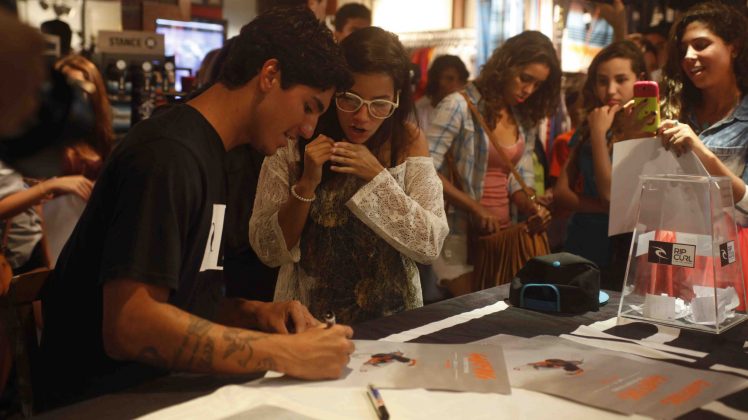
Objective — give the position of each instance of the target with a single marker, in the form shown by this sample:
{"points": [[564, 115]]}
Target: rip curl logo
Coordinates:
{"points": [[682, 255], [727, 253], [660, 253]]}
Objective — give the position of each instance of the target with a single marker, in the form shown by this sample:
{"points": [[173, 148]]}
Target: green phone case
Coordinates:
{"points": [[646, 111]]}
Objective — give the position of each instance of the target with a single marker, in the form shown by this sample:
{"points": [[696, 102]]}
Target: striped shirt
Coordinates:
{"points": [[452, 124]]}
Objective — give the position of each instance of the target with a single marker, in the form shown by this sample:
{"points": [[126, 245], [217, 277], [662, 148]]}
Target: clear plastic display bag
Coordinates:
{"points": [[684, 266]]}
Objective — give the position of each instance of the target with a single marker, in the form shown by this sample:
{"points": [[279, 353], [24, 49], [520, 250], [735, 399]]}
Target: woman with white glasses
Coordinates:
{"points": [[348, 213]]}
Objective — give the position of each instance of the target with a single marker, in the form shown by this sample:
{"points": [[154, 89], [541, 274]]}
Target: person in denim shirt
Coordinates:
{"points": [[707, 73], [517, 87]]}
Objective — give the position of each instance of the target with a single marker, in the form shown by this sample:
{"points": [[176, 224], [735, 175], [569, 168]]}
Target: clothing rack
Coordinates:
{"points": [[451, 37], [459, 42]]}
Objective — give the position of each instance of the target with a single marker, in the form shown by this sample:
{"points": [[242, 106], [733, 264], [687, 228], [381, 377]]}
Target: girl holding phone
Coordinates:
{"points": [[583, 186]]}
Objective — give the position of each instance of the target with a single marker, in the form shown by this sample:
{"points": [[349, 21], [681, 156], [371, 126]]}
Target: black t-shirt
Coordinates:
{"points": [[154, 216], [240, 262]]}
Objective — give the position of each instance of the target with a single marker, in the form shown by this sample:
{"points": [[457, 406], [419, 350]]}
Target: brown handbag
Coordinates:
{"points": [[497, 257]]}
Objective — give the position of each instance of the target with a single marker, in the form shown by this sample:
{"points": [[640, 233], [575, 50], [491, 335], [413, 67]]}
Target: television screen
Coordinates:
{"points": [[189, 42]]}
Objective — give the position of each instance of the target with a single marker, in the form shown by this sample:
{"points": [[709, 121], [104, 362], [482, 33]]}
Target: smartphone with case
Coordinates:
{"points": [[649, 93]]}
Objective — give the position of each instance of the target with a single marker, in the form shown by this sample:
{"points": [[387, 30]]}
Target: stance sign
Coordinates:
{"points": [[130, 42]]}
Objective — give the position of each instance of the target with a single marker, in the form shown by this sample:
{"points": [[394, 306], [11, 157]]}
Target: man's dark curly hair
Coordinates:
{"points": [[440, 64], [304, 47], [725, 21], [506, 62]]}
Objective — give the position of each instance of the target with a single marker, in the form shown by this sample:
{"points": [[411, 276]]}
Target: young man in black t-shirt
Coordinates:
{"points": [[130, 295]]}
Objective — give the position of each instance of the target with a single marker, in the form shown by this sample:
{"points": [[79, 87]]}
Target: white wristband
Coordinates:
{"points": [[300, 198]]}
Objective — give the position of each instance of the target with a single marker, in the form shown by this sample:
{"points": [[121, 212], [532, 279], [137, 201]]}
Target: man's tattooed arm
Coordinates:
{"points": [[208, 347], [138, 324]]}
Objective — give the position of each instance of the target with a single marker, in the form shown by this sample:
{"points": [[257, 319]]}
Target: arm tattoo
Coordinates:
{"points": [[150, 355], [198, 326], [239, 341], [206, 358], [196, 331]]}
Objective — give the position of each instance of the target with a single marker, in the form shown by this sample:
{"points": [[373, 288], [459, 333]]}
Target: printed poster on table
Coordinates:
{"points": [[611, 380], [450, 367]]}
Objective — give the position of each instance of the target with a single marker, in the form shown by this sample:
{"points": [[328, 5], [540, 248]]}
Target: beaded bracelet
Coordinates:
{"points": [[300, 198]]}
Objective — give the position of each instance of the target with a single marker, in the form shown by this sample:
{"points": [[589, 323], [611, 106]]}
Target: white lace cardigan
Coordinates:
{"points": [[404, 205]]}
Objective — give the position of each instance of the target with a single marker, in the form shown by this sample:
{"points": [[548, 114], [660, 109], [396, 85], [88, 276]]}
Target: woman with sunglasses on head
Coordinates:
{"points": [[348, 214], [517, 87]]}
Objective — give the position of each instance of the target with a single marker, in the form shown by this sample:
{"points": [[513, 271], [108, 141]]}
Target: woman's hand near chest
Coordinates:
{"points": [[355, 159], [316, 153], [601, 120]]}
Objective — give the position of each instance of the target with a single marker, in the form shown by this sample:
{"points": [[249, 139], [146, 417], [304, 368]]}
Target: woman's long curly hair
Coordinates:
{"points": [[725, 21], [505, 63]]}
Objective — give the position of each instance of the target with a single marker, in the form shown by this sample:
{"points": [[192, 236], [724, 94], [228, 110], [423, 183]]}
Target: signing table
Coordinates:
{"points": [[461, 320]]}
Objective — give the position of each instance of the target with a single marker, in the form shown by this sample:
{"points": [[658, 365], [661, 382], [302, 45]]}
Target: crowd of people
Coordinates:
{"points": [[306, 164]]}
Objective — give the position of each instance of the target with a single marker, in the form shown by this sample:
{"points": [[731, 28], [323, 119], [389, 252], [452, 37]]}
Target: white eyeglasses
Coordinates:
{"points": [[378, 108]]}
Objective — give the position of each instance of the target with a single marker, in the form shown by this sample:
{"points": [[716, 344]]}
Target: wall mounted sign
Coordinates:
{"points": [[130, 42]]}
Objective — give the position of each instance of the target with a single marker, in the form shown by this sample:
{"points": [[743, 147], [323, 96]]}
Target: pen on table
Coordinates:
{"points": [[329, 319], [376, 400]]}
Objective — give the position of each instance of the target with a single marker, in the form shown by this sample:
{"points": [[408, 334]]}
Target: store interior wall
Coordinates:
{"points": [[100, 15], [31, 12], [398, 16], [238, 13], [106, 15]]}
